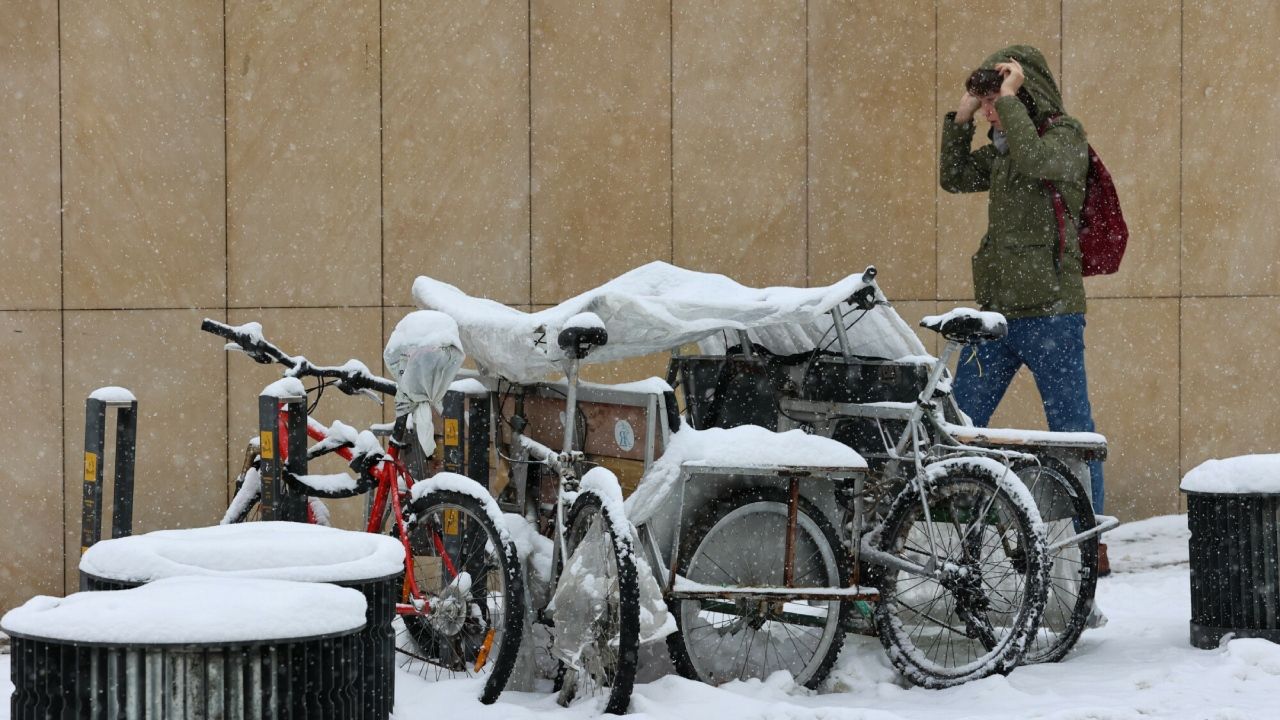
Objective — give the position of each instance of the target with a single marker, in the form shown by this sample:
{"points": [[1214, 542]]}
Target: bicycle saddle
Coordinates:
{"points": [[582, 333], [965, 325]]}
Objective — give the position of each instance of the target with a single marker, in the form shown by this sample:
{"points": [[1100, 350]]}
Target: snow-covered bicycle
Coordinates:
{"points": [[593, 608], [462, 597]]}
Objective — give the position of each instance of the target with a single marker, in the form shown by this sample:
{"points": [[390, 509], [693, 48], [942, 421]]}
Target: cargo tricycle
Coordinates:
{"points": [[804, 473]]}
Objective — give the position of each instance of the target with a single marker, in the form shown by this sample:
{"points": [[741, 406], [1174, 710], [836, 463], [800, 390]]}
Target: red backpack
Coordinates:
{"points": [[1102, 230]]}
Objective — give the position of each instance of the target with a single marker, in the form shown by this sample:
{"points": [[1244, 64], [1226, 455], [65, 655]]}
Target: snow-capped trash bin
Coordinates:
{"points": [[189, 648], [372, 564], [1233, 508]]}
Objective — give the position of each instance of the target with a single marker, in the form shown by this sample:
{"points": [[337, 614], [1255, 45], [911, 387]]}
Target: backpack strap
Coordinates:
{"points": [[1060, 211]]}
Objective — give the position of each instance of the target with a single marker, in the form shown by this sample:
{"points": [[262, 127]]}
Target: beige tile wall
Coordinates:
{"points": [[456, 147], [600, 142], [303, 160], [300, 163], [738, 139], [31, 476], [31, 272], [143, 176], [872, 144], [1229, 366], [1229, 148], [1118, 57]]}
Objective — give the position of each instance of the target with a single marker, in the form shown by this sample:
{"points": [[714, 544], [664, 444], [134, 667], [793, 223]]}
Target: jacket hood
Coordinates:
{"points": [[1039, 80]]}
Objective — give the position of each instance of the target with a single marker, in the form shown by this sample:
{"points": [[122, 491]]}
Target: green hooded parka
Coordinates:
{"points": [[1017, 270]]}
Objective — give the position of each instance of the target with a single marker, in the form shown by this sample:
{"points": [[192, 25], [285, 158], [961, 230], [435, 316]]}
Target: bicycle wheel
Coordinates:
{"points": [[1073, 568], [469, 573], [610, 640], [978, 610], [739, 541]]}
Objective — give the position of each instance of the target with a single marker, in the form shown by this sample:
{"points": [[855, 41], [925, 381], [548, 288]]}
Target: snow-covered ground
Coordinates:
{"points": [[1140, 665]]}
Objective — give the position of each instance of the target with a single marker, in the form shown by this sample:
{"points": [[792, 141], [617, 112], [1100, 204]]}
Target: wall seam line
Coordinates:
{"points": [[671, 122], [382, 184], [62, 300], [529, 97], [937, 150], [226, 254], [808, 149], [1182, 34]]}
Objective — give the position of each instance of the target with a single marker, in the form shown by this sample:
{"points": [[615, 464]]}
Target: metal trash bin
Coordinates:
{"points": [[1233, 508], [188, 648], [371, 564]]}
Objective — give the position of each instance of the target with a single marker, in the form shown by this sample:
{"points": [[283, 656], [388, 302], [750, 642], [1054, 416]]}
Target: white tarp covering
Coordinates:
{"points": [[658, 307], [424, 353]]}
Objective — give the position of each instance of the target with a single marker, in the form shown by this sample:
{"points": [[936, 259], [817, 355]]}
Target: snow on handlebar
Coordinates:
{"points": [[352, 376]]}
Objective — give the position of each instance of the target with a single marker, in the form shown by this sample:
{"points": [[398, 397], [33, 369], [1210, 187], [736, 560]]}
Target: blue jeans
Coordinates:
{"points": [[1053, 349]]}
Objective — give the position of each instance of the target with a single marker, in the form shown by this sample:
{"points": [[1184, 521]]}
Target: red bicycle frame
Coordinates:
{"points": [[389, 473]]}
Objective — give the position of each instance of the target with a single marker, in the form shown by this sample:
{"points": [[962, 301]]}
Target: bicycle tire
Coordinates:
{"points": [[802, 641], [911, 609], [464, 629], [1073, 569], [245, 505], [615, 670]]}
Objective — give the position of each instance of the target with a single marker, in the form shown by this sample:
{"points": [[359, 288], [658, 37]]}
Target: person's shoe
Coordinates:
{"points": [[1104, 565]]}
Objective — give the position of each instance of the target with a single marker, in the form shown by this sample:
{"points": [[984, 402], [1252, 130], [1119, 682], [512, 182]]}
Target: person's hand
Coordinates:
{"points": [[1013, 77], [968, 106]]}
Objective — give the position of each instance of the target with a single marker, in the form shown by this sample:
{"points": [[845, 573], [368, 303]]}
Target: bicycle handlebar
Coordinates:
{"points": [[352, 377]]}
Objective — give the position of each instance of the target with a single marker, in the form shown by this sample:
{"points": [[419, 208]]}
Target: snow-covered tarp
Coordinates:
{"points": [[658, 307], [185, 610], [275, 550], [1243, 475]]}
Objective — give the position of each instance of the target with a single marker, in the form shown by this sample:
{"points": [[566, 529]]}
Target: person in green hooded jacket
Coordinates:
{"points": [[1028, 265]]}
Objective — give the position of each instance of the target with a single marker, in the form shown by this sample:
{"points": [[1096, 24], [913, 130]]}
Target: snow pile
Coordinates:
{"points": [[1141, 666], [1018, 436], [276, 550], [285, 388], [586, 321], [468, 386], [657, 307], [1241, 475], [991, 321], [534, 550], [184, 610], [423, 329], [112, 394], [1157, 542], [329, 484], [745, 446]]}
